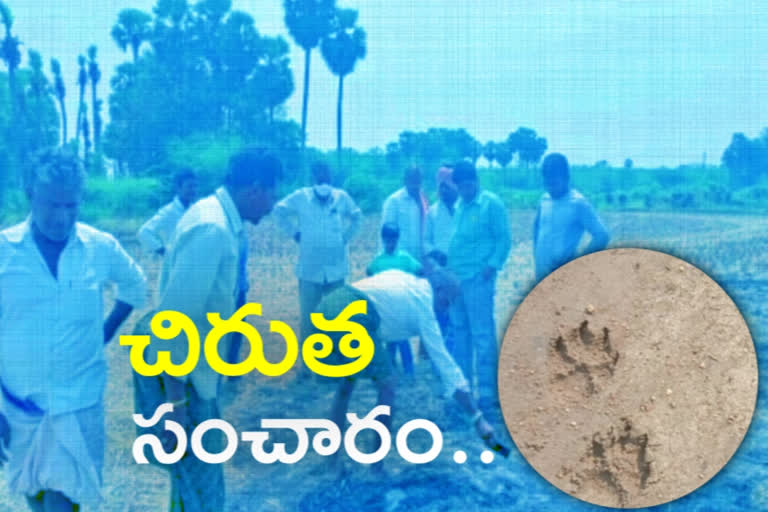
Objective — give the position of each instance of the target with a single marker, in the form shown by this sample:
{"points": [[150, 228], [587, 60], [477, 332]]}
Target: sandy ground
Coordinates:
{"points": [[731, 247], [628, 378]]}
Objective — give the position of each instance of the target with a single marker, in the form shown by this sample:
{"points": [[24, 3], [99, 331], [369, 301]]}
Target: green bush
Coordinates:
{"points": [[14, 207], [369, 179], [104, 200], [206, 154], [123, 198], [368, 193]]}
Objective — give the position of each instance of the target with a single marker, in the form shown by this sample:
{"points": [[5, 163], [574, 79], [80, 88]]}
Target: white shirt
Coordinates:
{"points": [[406, 213], [325, 229], [439, 229], [559, 227], [157, 232], [199, 276], [52, 329], [404, 304]]}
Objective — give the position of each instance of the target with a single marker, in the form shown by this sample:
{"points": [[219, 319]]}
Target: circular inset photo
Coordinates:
{"points": [[627, 378]]}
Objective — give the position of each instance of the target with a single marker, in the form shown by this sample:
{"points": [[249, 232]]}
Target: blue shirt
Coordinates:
{"points": [[398, 260], [482, 236], [559, 227]]}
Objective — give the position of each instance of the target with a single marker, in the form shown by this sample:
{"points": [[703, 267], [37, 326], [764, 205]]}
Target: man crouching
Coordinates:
{"points": [[400, 306]]}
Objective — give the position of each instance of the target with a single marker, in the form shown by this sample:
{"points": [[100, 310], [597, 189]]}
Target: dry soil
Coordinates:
{"points": [[627, 378]]}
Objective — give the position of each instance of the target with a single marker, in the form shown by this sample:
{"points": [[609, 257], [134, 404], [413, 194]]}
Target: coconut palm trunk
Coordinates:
{"points": [[341, 49], [60, 92], [95, 114], [339, 103], [79, 124], [305, 98], [82, 82], [63, 109], [94, 74]]}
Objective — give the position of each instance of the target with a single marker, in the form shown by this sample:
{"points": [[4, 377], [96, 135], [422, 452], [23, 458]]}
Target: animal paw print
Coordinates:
{"points": [[583, 354], [617, 461]]}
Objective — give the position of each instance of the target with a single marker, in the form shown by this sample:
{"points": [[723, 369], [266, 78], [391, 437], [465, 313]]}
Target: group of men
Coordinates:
{"points": [[53, 269]]}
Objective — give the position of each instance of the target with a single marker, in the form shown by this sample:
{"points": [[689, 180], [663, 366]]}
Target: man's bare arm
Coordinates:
{"points": [[116, 317]]}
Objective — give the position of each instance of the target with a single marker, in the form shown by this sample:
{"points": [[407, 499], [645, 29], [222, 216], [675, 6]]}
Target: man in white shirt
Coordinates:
{"points": [[441, 223], [52, 335], [321, 219], [440, 217], [407, 209], [156, 233], [400, 306], [200, 276]]}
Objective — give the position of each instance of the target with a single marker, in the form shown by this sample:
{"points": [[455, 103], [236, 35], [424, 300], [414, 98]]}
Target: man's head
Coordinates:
{"points": [[465, 178], [251, 181], [446, 188], [54, 184], [556, 175], [390, 234], [412, 181], [321, 178], [321, 173], [435, 258], [185, 184], [445, 287]]}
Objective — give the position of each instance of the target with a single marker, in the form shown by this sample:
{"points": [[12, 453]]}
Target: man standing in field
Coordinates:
{"points": [[53, 370], [441, 218], [478, 249], [322, 219], [441, 223], [156, 233], [407, 208], [200, 276], [562, 218]]}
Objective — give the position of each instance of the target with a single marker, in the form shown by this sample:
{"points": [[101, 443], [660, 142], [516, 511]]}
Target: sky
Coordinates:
{"points": [[663, 82]]}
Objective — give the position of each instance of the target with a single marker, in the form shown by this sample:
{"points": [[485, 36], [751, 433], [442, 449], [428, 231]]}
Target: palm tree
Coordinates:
{"points": [[341, 49], [60, 92], [38, 84], [82, 82], [86, 135], [308, 21], [94, 73], [132, 29], [10, 54], [37, 88]]}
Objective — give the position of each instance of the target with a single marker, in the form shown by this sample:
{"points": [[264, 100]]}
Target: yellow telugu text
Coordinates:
{"points": [[355, 344]]}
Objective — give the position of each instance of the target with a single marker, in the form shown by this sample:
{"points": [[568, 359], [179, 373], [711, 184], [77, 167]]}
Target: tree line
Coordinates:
{"points": [[203, 71], [202, 74], [440, 145]]}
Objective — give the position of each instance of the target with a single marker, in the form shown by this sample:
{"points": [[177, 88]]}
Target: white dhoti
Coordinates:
{"points": [[56, 452]]}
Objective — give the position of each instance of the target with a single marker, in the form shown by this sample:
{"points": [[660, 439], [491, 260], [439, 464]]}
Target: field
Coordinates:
{"points": [[729, 248]]}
